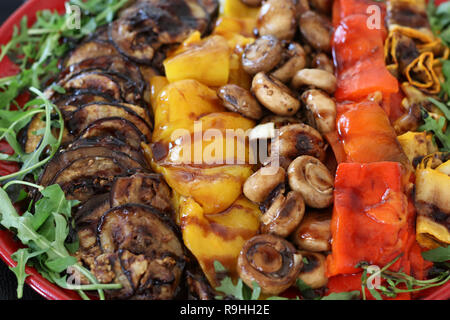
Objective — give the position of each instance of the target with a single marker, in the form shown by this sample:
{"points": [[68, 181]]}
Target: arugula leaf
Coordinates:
{"points": [[22, 256], [441, 254], [36, 50], [439, 18], [49, 253], [437, 128]]}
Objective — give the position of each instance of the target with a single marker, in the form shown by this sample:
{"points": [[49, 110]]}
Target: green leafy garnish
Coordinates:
{"points": [[437, 128], [398, 282], [440, 254], [45, 235], [439, 18], [38, 49]]}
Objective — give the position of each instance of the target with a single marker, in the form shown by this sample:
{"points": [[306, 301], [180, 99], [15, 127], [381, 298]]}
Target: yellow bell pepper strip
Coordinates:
{"points": [[432, 198], [207, 61], [218, 236]]}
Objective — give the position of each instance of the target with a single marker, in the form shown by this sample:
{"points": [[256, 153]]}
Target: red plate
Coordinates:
{"points": [[7, 243]]}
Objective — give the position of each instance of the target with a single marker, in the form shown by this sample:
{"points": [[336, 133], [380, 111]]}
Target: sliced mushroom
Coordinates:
{"points": [[252, 3], [284, 215], [323, 110], [315, 78], [262, 55], [237, 99], [314, 269], [314, 232], [259, 186], [271, 262], [274, 95], [295, 61], [278, 18], [317, 30], [313, 180], [299, 139], [323, 62]]}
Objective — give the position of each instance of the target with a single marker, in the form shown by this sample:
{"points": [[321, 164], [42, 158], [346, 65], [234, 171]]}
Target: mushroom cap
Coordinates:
{"points": [[313, 272], [238, 99], [284, 215], [300, 139], [270, 261], [262, 55], [313, 180], [314, 232], [274, 95], [259, 185]]}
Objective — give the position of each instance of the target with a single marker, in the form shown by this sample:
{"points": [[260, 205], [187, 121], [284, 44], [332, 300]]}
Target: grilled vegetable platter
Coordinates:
{"points": [[99, 198]]}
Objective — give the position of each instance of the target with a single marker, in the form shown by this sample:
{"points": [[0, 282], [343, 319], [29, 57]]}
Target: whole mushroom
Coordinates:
{"points": [[259, 186], [313, 272], [322, 108], [314, 232], [317, 30], [278, 18], [270, 261], [299, 139], [274, 95], [313, 180], [284, 215], [315, 78], [238, 99], [263, 55]]}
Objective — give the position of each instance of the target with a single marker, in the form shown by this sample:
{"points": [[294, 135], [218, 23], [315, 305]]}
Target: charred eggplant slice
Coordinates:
{"points": [[148, 189], [112, 63], [111, 143], [81, 97], [92, 48], [119, 128], [86, 115], [148, 25], [149, 249], [116, 85], [89, 176], [87, 218], [65, 158]]}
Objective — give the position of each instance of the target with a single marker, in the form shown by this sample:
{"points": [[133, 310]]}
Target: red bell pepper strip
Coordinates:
{"points": [[7, 167], [367, 135], [359, 55], [370, 219], [345, 8]]}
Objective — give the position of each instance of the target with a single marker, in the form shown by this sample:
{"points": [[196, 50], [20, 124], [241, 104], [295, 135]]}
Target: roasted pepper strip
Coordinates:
{"points": [[359, 54], [367, 135], [370, 218]]}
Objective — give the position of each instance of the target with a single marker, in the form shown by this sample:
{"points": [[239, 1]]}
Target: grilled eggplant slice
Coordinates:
{"points": [[87, 218], [112, 63], [116, 85], [119, 128], [149, 249], [149, 25], [92, 48], [79, 98], [65, 158], [112, 143], [86, 115], [89, 176], [148, 189]]}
